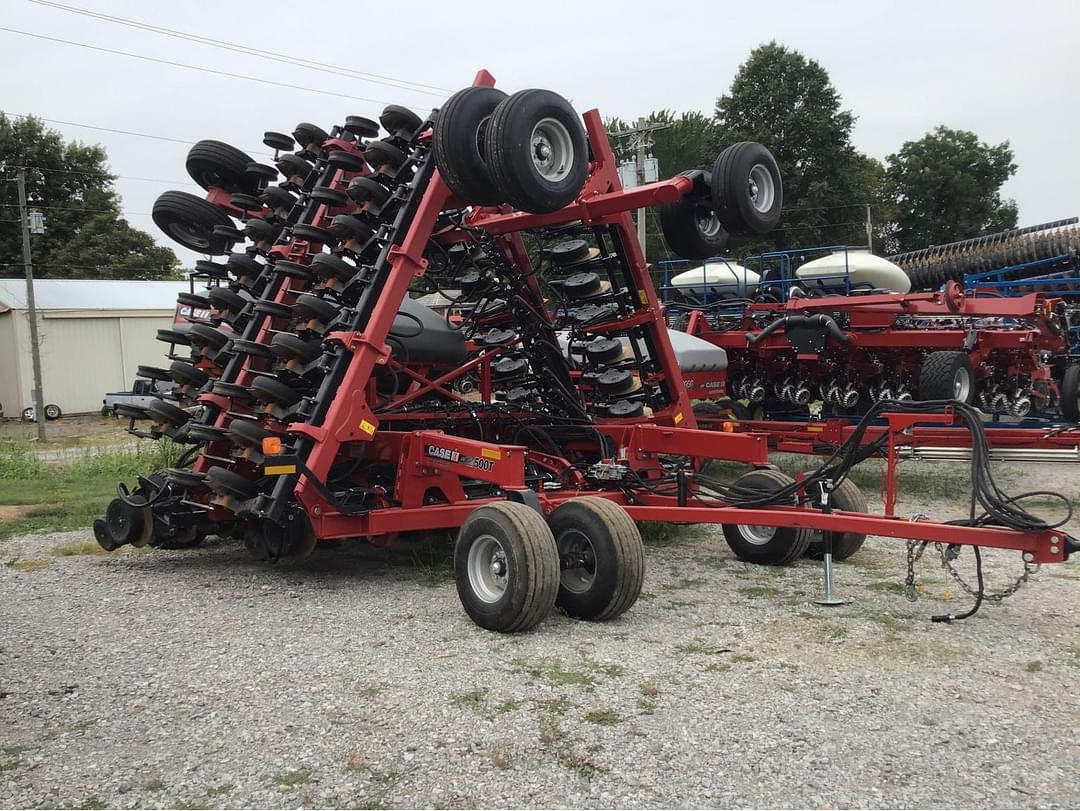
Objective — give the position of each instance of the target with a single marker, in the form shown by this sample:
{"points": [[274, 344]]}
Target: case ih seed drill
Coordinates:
{"points": [[331, 405]]}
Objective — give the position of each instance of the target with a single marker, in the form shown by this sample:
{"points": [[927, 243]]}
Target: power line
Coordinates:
{"points": [[193, 67], [110, 129], [103, 174], [374, 78]]}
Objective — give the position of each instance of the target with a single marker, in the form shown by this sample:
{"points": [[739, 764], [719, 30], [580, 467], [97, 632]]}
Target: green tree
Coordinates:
{"points": [[85, 235], [787, 102], [947, 186]]}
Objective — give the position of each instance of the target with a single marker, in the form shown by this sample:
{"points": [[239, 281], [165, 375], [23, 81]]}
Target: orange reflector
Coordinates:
{"points": [[271, 445], [729, 427]]}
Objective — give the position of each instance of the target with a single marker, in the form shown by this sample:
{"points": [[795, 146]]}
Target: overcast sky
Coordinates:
{"points": [[1005, 70]]}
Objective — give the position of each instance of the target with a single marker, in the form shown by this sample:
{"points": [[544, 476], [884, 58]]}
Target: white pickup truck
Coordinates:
{"points": [[142, 393]]}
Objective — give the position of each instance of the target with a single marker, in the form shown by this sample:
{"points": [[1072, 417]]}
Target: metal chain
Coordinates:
{"points": [[915, 551], [948, 556], [949, 553]]}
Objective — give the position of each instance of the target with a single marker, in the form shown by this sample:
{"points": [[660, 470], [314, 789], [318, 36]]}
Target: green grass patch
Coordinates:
{"points": [[70, 495], [1033, 666], [29, 564], [299, 777], [768, 592], [604, 718]]}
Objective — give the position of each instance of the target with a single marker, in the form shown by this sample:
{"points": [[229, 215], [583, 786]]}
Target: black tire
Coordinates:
{"points": [[224, 481], [321, 309], [362, 189], [726, 408], [207, 336], [292, 347], [849, 498], [187, 374], [383, 153], [190, 220], [162, 411], [691, 228], [225, 299], [608, 546], [309, 136], [1069, 389], [271, 390], [53, 412], [738, 170], [124, 523], [213, 163], [247, 434], [768, 546], [517, 536], [458, 142], [942, 377], [400, 121], [513, 160]]}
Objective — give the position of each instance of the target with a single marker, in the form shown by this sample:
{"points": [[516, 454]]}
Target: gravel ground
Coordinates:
{"points": [[202, 679]]}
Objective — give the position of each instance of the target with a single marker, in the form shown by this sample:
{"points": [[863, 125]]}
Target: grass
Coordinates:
{"points": [[29, 564], [1033, 666], [299, 777], [656, 534], [767, 592], [473, 700], [699, 648], [554, 673], [604, 718], [69, 495]]}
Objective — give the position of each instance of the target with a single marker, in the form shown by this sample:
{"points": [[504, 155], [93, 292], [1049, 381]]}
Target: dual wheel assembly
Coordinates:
{"points": [[512, 567]]}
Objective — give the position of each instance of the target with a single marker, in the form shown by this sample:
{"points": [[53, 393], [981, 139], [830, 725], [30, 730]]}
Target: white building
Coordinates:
{"points": [[94, 334]]}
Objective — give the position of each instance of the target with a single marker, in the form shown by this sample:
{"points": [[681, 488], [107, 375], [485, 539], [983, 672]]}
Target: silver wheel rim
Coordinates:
{"points": [[488, 569], [761, 187], [756, 535], [552, 150], [708, 223], [961, 384], [578, 579]]}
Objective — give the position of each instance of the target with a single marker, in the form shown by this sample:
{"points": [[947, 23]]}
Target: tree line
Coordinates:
{"points": [[942, 187]]}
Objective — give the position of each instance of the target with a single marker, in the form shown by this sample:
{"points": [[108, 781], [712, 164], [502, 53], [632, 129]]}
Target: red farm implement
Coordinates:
{"points": [[541, 416]]}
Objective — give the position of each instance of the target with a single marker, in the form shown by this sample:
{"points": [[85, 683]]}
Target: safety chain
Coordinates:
{"points": [[949, 553]]}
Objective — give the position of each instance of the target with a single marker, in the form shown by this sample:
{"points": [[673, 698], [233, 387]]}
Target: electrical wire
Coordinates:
{"points": [[374, 78], [212, 71]]}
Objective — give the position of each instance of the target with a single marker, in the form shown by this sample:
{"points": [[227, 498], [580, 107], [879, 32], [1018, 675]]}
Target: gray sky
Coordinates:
{"points": [[1005, 70]]}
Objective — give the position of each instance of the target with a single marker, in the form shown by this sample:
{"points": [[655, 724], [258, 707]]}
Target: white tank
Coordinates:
{"points": [[717, 280], [864, 270]]}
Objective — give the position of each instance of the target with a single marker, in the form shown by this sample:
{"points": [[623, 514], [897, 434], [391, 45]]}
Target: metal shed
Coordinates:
{"points": [[94, 334]]}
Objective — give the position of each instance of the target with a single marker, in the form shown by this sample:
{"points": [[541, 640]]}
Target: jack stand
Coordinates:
{"points": [[829, 598]]}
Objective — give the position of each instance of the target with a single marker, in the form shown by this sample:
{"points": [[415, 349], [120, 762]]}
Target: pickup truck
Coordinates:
{"points": [[142, 393]]}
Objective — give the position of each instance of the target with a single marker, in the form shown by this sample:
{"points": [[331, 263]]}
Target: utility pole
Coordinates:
{"points": [[642, 134], [35, 349]]}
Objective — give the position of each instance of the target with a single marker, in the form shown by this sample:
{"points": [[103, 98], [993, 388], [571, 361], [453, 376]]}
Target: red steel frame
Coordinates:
{"points": [[432, 458]]}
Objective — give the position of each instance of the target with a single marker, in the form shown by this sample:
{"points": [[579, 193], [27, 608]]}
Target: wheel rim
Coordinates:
{"points": [[756, 535], [961, 384], [707, 221], [51, 411], [575, 545], [488, 569], [761, 187], [552, 150], [191, 233]]}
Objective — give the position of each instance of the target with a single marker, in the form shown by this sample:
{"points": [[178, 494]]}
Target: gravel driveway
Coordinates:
{"points": [[202, 679]]}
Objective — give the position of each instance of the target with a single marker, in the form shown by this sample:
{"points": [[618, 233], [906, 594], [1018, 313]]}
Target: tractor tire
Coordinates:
{"points": [[506, 567], [190, 220], [691, 228], [849, 498], [607, 544], [537, 151], [1070, 393], [213, 164], [458, 142], [748, 194], [767, 546], [947, 375]]}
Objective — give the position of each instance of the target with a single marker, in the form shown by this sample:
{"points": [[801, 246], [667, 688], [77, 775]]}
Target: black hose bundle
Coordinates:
{"points": [[989, 506]]}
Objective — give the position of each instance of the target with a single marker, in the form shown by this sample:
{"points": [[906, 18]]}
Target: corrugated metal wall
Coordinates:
{"points": [[82, 357]]}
